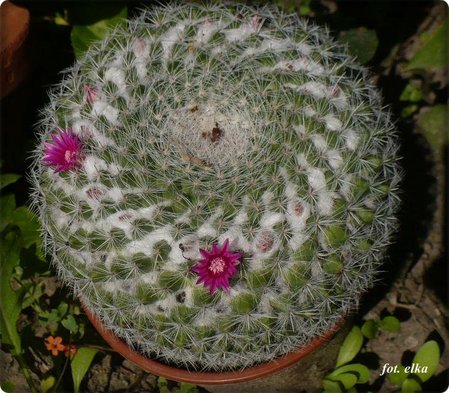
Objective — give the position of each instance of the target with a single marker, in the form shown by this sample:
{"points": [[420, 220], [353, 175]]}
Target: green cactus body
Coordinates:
{"points": [[207, 123]]}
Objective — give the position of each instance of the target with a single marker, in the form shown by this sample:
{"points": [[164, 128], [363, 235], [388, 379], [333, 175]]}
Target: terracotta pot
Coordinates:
{"points": [[14, 22], [282, 374]]}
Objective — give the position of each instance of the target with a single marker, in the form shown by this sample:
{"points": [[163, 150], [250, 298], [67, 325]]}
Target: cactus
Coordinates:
{"points": [[202, 139]]}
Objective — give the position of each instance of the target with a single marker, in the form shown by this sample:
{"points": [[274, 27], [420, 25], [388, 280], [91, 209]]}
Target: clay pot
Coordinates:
{"points": [[296, 371], [14, 22]]}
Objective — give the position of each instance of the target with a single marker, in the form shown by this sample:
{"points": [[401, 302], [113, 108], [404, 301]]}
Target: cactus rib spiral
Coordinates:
{"points": [[206, 124]]}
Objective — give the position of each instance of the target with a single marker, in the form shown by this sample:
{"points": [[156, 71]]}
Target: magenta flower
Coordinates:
{"points": [[217, 267], [90, 94], [64, 153]]}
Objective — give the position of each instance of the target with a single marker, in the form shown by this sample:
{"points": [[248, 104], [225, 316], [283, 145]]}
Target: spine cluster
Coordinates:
{"points": [[224, 128]]}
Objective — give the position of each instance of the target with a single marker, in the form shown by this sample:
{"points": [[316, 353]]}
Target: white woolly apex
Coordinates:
{"points": [[146, 244], [188, 300], [167, 304], [267, 197], [102, 108], [150, 278], [112, 286], [87, 131], [300, 129], [317, 181], [335, 159], [238, 240], [207, 229], [270, 219], [241, 33], [333, 156], [141, 50], [298, 211], [264, 306], [60, 218], [264, 245], [116, 194], [208, 135], [171, 37], [315, 89], [240, 218], [92, 165], [189, 248], [207, 317], [206, 30], [351, 139], [59, 182], [117, 76], [308, 111], [332, 122], [346, 186], [301, 64], [338, 98], [319, 143]]}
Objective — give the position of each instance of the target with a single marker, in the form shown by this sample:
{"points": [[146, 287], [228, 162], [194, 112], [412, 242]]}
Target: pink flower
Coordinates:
{"points": [[255, 21], [64, 153], [90, 94], [217, 267]]}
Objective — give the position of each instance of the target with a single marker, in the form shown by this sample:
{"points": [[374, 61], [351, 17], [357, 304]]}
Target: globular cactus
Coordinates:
{"points": [[218, 183]]}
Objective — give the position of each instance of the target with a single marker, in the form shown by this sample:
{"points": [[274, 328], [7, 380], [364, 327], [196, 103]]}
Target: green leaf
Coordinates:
{"points": [[80, 364], [29, 226], [390, 324], [32, 294], [186, 388], [83, 35], [409, 110], [70, 323], [369, 329], [399, 377], [360, 370], [7, 206], [47, 383], [10, 305], [7, 179], [8, 386], [411, 93], [433, 122], [427, 356], [62, 309], [410, 385], [348, 380], [162, 385], [362, 43], [332, 386], [433, 52], [350, 347]]}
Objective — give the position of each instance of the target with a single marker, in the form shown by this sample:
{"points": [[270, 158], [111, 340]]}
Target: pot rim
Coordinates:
{"points": [[207, 377]]}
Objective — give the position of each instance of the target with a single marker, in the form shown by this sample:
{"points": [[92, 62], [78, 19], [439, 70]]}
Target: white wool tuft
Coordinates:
{"points": [[92, 165], [102, 108], [351, 139], [171, 37], [332, 122]]}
